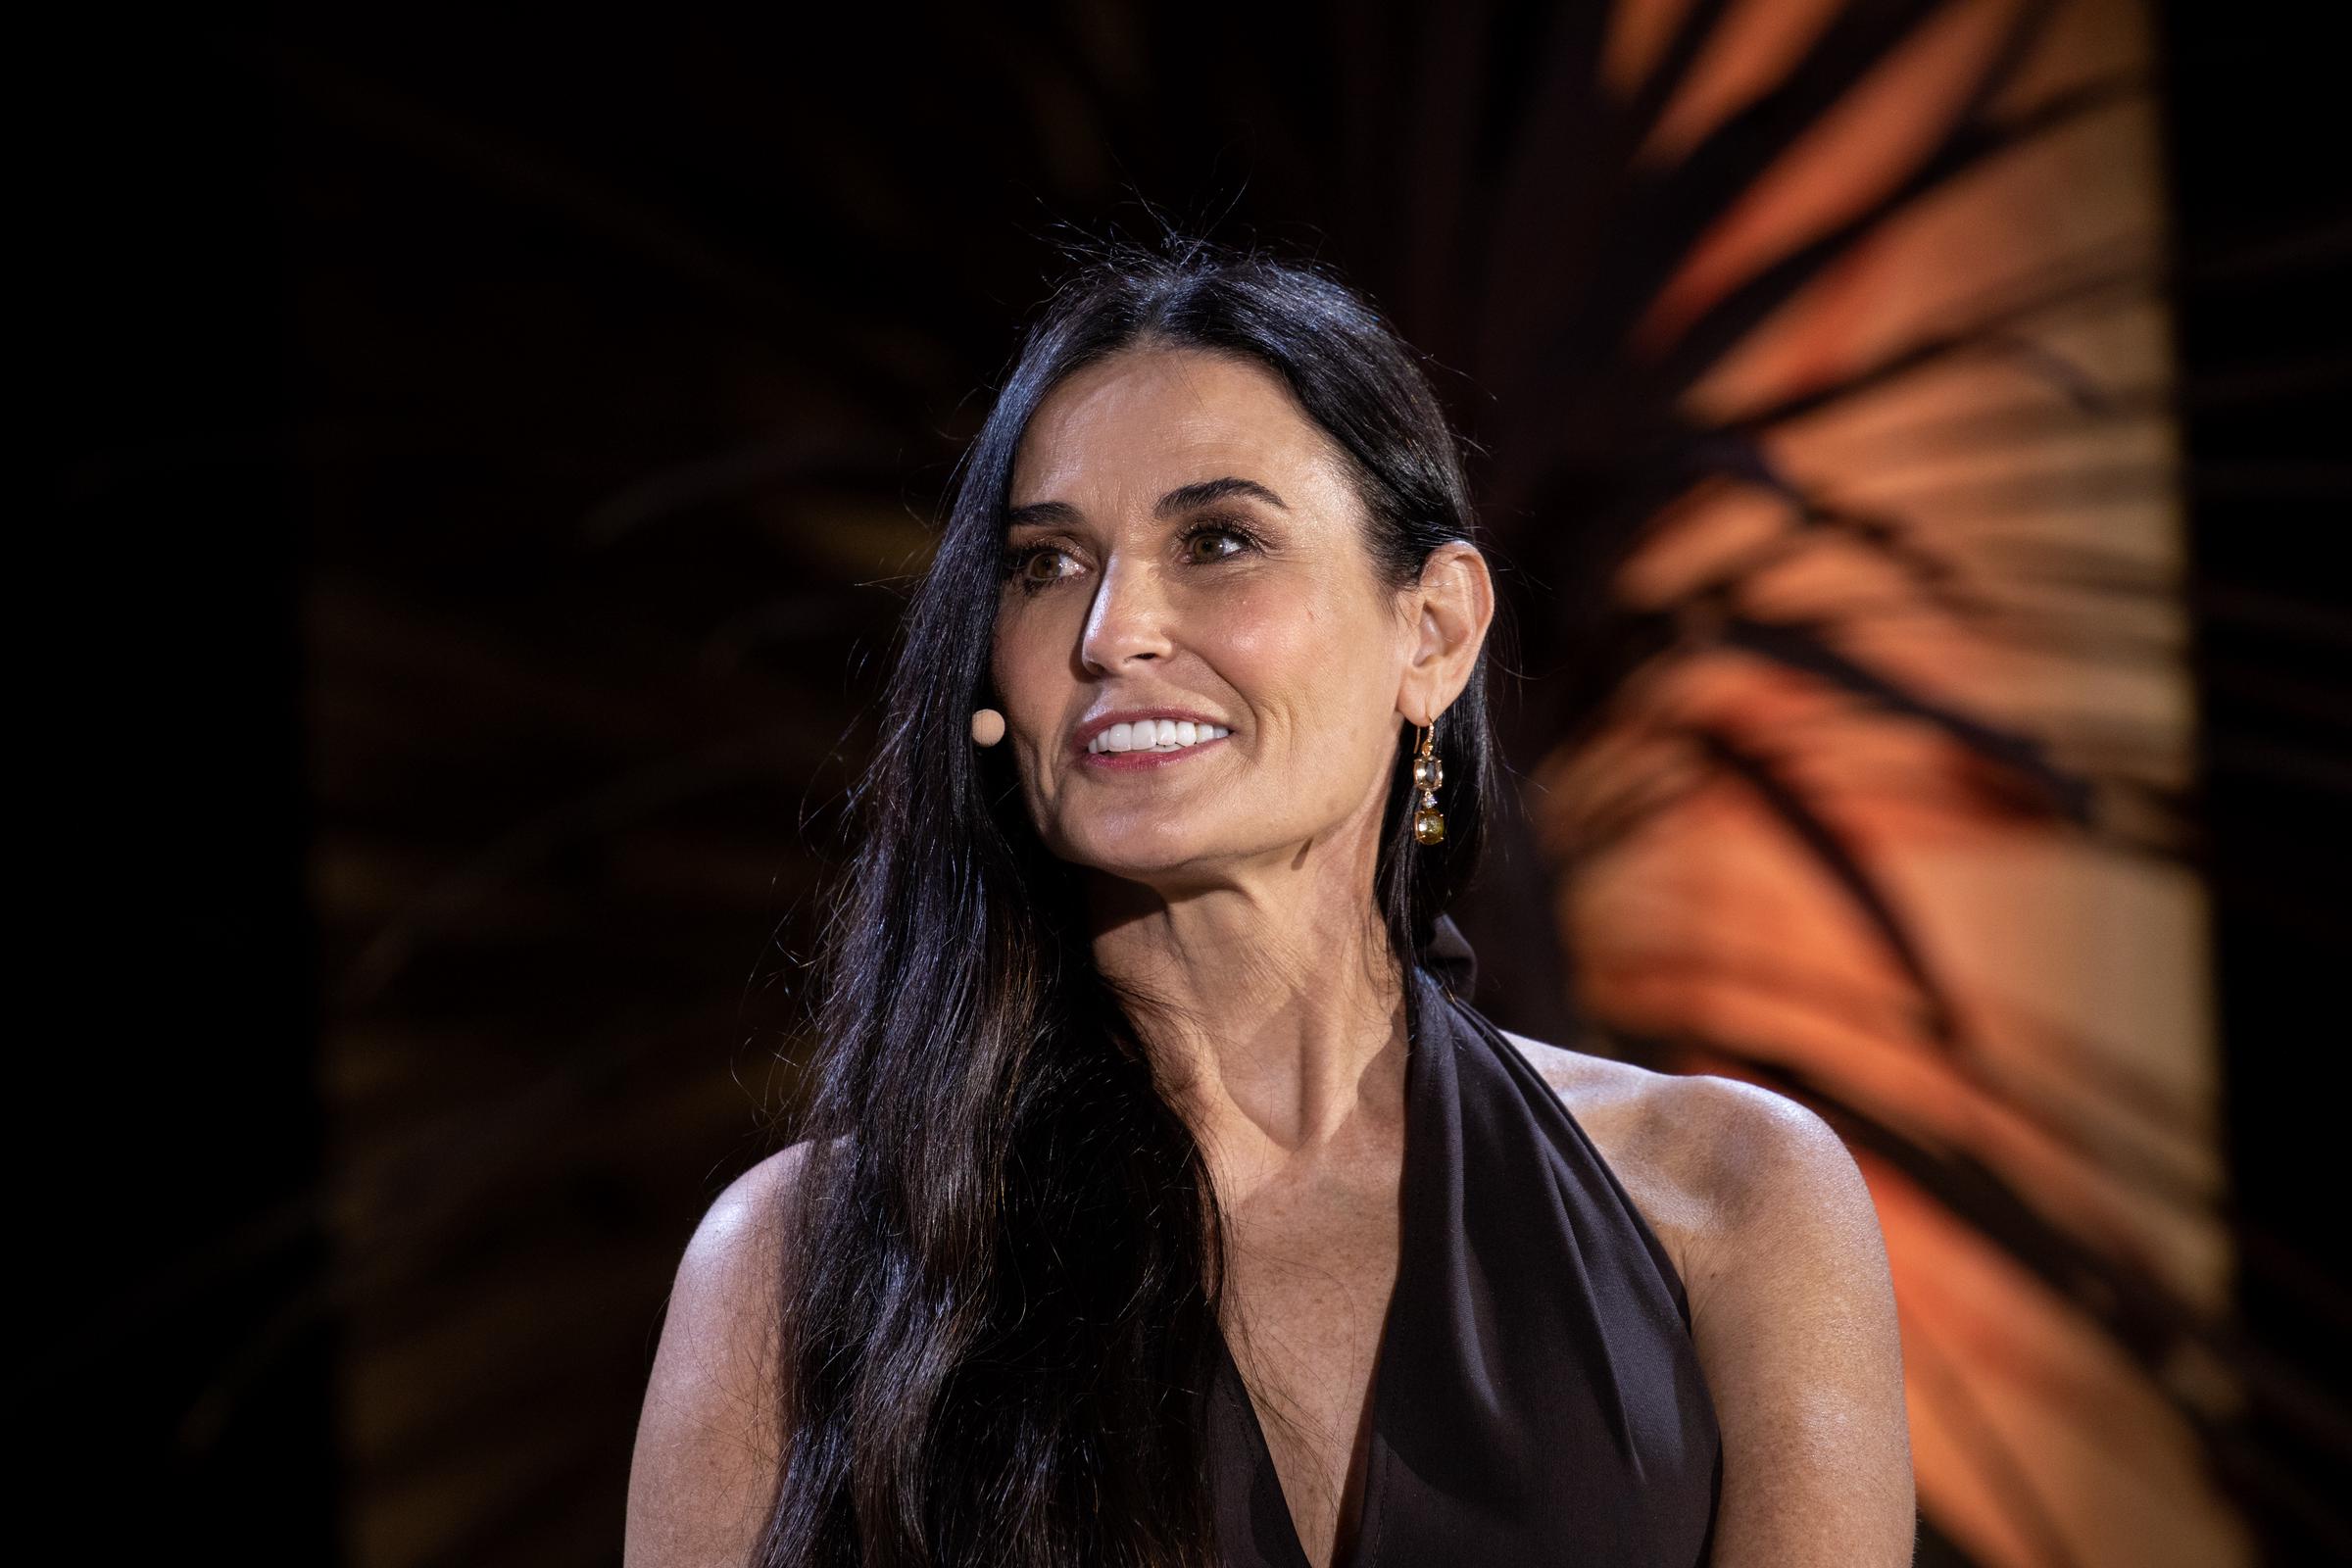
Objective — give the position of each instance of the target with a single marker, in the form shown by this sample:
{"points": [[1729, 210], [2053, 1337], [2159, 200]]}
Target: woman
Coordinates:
{"points": [[1162, 1200]]}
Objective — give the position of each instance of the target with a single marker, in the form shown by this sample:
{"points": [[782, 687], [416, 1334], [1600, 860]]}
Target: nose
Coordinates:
{"points": [[1127, 620]]}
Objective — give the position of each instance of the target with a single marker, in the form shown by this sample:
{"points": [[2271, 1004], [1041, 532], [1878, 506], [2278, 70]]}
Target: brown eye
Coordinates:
{"points": [[1212, 530], [1017, 566]]}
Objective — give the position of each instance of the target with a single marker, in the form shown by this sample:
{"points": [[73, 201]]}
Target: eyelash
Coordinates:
{"points": [[1016, 561]]}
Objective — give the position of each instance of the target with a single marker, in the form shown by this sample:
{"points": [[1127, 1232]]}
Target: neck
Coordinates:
{"points": [[1276, 1023]]}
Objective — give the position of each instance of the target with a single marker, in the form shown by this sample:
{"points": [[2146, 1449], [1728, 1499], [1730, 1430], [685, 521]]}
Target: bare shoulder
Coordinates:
{"points": [[1718, 1156], [710, 1434], [1795, 1323], [1793, 1317], [1775, 1177], [1742, 1173], [742, 1218], [1601, 1087], [1653, 1128]]}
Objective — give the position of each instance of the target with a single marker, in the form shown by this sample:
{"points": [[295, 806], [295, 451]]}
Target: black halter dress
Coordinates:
{"points": [[1537, 1399]]}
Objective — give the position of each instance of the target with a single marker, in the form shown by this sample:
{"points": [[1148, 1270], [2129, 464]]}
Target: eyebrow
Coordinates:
{"points": [[1184, 497]]}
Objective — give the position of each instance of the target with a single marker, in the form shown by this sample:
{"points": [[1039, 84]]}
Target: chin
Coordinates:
{"points": [[1139, 854]]}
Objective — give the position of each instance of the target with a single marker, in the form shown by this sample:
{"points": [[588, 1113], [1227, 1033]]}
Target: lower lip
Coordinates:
{"points": [[1143, 762]]}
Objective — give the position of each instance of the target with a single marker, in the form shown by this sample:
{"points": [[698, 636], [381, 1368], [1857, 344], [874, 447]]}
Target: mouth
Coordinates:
{"points": [[1149, 744]]}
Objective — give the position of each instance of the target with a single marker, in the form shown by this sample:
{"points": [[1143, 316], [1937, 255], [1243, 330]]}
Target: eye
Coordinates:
{"points": [[1017, 567], [1018, 560], [1210, 528]]}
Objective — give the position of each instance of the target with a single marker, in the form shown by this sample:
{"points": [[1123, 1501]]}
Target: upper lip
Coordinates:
{"points": [[1098, 722]]}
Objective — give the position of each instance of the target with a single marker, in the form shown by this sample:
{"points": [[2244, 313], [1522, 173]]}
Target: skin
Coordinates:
{"points": [[1237, 886], [1232, 893]]}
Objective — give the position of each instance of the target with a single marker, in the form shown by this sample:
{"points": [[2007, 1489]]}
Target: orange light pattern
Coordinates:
{"points": [[2078, 1059]]}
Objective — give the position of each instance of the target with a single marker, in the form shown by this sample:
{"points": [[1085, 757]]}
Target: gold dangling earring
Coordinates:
{"points": [[1429, 823]]}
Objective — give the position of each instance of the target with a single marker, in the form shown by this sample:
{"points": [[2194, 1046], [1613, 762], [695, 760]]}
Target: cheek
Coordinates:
{"points": [[1267, 632], [1296, 651], [1021, 647], [1319, 670], [1029, 668]]}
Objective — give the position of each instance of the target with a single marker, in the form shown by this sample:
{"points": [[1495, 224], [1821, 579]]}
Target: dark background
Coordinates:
{"points": [[382, 327]]}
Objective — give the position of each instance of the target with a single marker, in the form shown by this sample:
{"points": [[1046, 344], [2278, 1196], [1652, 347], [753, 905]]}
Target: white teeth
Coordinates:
{"points": [[1155, 735]]}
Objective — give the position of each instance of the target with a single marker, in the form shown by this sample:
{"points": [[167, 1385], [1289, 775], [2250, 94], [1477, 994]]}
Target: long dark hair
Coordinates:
{"points": [[1004, 1250]]}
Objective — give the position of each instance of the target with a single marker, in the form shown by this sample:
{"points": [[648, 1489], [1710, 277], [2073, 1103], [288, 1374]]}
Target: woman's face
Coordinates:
{"points": [[1184, 537]]}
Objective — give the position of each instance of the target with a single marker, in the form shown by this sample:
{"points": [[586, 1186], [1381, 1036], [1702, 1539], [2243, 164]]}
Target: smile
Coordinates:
{"points": [[1155, 735], [1125, 748]]}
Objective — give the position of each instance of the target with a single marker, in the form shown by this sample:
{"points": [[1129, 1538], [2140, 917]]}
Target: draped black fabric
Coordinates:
{"points": [[1537, 1399]]}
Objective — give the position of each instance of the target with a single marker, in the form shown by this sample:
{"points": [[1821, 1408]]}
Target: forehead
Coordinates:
{"points": [[1159, 418]]}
